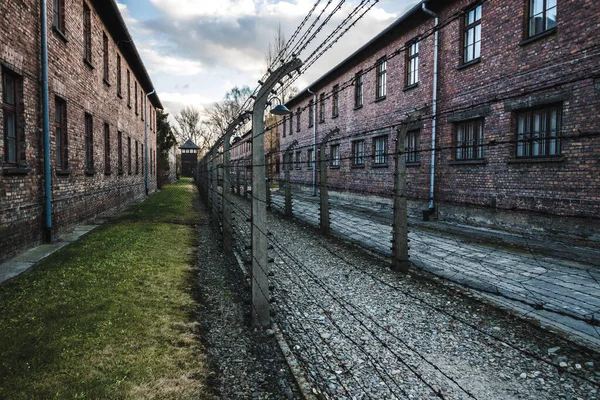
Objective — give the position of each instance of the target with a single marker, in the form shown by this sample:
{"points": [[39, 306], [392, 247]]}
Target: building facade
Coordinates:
{"points": [[504, 97], [101, 103]]}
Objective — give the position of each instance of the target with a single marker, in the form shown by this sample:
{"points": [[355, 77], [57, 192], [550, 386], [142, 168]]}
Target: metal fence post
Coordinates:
{"points": [[323, 192], [260, 281], [400, 224]]}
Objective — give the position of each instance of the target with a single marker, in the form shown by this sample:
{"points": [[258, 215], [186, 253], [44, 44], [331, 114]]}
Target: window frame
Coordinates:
{"points": [[381, 157], [412, 146], [58, 15], [128, 87], [61, 139], [322, 107], [137, 158], [381, 79], [291, 123], [129, 158], [120, 152], [298, 119], [88, 142], [119, 78], [87, 34], [135, 84], [469, 149], [529, 18], [547, 141], [298, 159], [412, 70], [335, 101], [107, 166], [15, 111], [358, 89], [334, 152], [284, 126], [310, 158], [311, 111], [105, 59], [358, 153], [468, 27]]}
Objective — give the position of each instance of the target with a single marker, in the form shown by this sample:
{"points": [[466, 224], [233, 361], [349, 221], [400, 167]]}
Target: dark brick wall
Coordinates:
{"points": [[77, 196], [513, 74]]}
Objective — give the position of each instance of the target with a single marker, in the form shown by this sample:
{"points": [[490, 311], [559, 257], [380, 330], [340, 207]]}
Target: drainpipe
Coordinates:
{"points": [[314, 177], [146, 127], [46, 124], [434, 105]]}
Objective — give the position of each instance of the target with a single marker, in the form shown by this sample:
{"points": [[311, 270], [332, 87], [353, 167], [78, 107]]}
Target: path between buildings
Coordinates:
{"points": [[530, 281]]}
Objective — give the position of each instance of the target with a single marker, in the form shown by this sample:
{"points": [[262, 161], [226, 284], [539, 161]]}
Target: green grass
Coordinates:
{"points": [[110, 316]]}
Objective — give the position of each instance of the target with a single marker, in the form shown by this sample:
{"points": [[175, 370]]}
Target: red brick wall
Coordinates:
{"points": [[77, 197]]}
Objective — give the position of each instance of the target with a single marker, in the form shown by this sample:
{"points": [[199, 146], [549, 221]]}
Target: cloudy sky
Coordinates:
{"points": [[197, 50]]}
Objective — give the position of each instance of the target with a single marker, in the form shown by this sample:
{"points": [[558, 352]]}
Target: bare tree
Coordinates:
{"points": [[190, 126], [220, 114], [276, 47]]}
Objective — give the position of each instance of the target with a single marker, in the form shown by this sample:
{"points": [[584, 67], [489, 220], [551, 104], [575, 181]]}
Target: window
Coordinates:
{"points": [[335, 101], [298, 113], [120, 152], [142, 104], [106, 149], [60, 130], [322, 107], [358, 90], [542, 16], [291, 123], [11, 87], [298, 159], [381, 78], [58, 16], [538, 132], [380, 150], [311, 112], [310, 158], [142, 157], [284, 126], [136, 97], [105, 56], [472, 35], [137, 158], [89, 143], [412, 64], [411, 146], [129, 155], [469, 140], [335, 155], [87, 34], [129, 88], [358, 153], [119, 75]]}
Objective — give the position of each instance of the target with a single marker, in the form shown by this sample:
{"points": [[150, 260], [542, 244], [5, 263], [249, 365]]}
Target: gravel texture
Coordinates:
{"points": [[246, 363], [361, 331]]}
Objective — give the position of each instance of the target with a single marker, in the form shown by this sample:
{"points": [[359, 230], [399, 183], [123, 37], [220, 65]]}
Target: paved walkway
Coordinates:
{"points": [[31, 257], [554, 288]]}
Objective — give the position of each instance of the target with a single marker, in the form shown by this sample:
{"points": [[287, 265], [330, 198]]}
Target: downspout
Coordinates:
{"points": [[46, 124], [434, 105], [146, 127], [314, 177]]}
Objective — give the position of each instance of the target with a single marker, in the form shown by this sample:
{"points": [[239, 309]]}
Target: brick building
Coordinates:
{"points": [[514, 120], [100, 101]]}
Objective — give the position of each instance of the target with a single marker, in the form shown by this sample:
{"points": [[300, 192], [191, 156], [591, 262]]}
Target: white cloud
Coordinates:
{"points": [[189, 9], [171, 65]]}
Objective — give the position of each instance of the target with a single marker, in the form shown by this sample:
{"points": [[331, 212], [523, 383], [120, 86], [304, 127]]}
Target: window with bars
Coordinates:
{"points": [[335, 101], [58, 15], [107, 149], [381, 79], [335, 155], [472, 35], [87, 33], [298, 159], [89, 142], [11, 88], [538, 132], [60, 131], [411, 146], [322, 107], [358, 90], [358, 153], [119, 91], [310, 158], [380, 150], [469, 140], [120, 152], [311, 114], [412, 63], [542, 16], [298, 119], [105, 57]]}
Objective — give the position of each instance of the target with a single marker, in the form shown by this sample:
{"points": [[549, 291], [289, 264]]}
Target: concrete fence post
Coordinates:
{"points": [[323, 192], [400, 222], [227, 186]]}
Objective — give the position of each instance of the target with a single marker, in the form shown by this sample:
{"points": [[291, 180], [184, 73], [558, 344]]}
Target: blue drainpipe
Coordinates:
{"points": [[46, 125]]}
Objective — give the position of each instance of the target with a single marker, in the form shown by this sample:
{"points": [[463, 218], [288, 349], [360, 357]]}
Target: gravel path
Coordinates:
{"points": [[361, 331], [246, 364]]}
